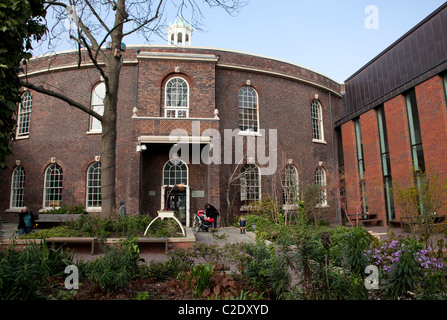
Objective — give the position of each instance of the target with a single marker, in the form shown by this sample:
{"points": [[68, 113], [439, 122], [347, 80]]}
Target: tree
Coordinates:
{"points": [[423, 199], [99, 22], [21, 22]]}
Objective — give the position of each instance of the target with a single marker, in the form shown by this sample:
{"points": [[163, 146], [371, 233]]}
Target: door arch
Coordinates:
{"points": [[176, 172]]}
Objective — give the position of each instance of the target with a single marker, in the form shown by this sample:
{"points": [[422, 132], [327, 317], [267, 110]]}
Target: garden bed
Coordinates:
{"points": [[94, 244]]}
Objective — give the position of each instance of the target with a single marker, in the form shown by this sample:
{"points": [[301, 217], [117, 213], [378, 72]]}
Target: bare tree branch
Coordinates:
{"points": [[62, 97]]}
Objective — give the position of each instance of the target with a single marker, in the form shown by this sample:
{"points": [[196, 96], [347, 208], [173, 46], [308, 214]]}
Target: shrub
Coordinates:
{"points": [[23, 274], [266, 268], [60, 231], [199, 278], [116, 268]]}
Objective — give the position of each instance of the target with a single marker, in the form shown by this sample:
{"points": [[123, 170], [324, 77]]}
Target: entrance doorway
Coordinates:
{"points": [[175, 172], [177, 203]]}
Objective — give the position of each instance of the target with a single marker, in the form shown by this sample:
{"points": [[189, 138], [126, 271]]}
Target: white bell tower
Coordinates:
{"points": [[179, 33]]}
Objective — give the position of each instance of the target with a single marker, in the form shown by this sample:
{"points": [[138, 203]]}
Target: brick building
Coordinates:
{"points": [[174, 96], [394, 119]]}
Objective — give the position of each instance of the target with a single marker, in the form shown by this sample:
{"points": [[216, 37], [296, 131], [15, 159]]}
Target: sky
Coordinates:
{"points": [[327, 36]]}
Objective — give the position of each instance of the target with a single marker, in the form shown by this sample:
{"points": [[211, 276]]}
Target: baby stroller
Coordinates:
{"points": [[202, 222]]}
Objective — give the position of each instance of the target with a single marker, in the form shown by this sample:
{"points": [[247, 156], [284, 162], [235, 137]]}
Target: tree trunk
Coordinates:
{"points": [[109, 132]]}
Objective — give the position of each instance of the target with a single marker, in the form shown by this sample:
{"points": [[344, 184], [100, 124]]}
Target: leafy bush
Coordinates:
{"points": [[24, 273], [199, 278], [266, 268], [117, 267], [60, 231]]}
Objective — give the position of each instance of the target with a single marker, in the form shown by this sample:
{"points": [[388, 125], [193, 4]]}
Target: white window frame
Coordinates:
{"points": [[93, 190], [317, 122], [248, 185], [24, 115], [245, 104], [290, 185], [17, 188], [48, 187], [97, 105], [175, 164], [321, 182], [171, 111]]}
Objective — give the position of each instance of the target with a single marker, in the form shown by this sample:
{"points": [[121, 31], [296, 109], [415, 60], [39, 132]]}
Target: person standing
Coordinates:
{"points": [[26, 221], [122, 211], [211, 212], [243, 224]]}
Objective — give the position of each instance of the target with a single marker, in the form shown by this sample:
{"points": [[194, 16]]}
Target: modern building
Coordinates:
{"points": [[394, 120], [176, 100]]}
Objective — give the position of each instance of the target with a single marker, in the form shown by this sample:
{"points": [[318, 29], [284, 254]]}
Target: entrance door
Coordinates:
{"points": [[175, 172], [177, 203]]}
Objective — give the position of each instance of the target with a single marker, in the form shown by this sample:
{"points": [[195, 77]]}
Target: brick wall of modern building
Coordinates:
{"points": [[373, 164], [431, 101]]}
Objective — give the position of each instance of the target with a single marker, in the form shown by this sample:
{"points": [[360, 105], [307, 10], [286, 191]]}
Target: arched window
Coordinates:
{"points": [[24, 114], [317, 121], [320, 181], [17, 187], [98, 95], [175, 172], [52, 196], [94, 185], [177, 98], [290, 185], [250, 183], [248, 109]]}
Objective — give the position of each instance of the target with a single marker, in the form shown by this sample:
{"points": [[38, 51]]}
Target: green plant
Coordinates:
{"points": [[24, 273], [117, 267], [198, 278], [142, 296], [60, 231], [265, 267]]}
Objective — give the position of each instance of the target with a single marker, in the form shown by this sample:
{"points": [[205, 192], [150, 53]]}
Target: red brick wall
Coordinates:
{"points": [[399, 144], [60, 131], [432, 109], [373, 164]]}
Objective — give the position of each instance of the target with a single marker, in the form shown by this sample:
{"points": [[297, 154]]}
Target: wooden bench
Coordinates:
{"points": [[93, 241], [154, 240]]}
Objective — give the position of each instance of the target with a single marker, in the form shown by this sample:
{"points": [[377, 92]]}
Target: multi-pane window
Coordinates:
{"points": [[250, 183], [177, 98], [361, 164], [17, 187], [24, 114], [290, 185], [52, 197], [98, 95], [248, 109], [320, 181], [94, 185], [386, 163], [317, 121], [417, 150], [175, 172]]}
